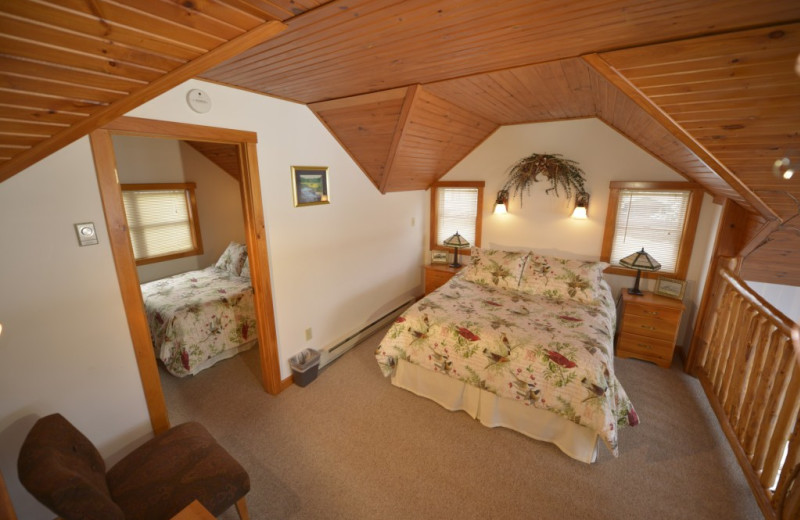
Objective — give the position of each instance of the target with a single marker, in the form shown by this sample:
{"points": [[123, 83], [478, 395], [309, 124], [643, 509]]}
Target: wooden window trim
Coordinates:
{"points": [[478, 219], [194, 218], [687, 236]]}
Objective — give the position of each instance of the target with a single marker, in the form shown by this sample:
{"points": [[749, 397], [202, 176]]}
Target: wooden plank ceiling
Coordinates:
{"points": [[495, 63], [409, 87], [69, 66]]}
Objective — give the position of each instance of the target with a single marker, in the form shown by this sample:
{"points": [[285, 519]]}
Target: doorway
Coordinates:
{"points": [[255, 232]]}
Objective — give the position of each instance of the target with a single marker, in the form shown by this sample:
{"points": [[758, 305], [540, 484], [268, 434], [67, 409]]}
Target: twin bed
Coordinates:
{"points": [[519, 340], [201, 317]]}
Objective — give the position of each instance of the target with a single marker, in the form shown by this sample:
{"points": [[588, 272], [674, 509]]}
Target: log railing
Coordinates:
{"points": [[747, 368]]}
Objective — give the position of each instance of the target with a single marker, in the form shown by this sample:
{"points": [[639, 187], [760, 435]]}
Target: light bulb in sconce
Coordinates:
{"points": [[501, 204], [581, 207], [783, 168]]}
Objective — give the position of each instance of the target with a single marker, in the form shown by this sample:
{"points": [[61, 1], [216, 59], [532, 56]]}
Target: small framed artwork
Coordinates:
{"points": [[310, 185], [670, 287], [438, 257]]}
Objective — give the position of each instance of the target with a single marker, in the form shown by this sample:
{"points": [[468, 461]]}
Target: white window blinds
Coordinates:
{"points": [[159, 222], [652, 220], [456, 210]]}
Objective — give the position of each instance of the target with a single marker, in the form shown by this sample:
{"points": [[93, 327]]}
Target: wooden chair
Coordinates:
{"points": [[62, 468]]}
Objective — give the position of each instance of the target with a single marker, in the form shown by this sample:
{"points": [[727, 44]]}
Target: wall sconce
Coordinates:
{"points": [[581, 206], [501, 204]]}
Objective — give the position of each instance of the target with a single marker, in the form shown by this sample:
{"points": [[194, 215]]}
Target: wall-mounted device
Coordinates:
{"points": [[198, 101], [87, 236]]}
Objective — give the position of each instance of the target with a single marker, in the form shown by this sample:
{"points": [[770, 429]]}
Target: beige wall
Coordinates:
{"points": [[542, 222], [65, 345], [219, 205]]}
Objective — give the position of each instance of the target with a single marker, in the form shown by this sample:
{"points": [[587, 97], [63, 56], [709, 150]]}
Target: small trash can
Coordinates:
{"points": [[305, 366]]}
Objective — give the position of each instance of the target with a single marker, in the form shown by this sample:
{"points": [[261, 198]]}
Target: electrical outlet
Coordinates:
{"points": [[308, 334], [413, 221]]}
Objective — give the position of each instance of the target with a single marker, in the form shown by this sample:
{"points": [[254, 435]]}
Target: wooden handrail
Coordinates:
{"points": [[748, 369]]}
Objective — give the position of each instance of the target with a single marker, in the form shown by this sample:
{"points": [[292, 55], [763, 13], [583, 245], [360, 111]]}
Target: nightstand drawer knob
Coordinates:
{"points": [[645, 345], [651, 313], [648, 327]]}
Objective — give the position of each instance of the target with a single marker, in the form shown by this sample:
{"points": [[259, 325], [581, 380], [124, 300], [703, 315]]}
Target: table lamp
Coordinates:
{"points": [[456, 242], [641, 261]]}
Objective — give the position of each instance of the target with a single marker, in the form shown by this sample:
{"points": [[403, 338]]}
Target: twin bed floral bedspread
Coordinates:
{"points": [[198, 315], [550, 347]]}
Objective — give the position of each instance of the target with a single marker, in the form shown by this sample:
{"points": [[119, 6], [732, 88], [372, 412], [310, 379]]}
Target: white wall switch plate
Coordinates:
{"points": [[87, 236]]}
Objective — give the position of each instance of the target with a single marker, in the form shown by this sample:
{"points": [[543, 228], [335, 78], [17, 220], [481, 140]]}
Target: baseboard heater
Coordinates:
{"points": [[330, 354]]}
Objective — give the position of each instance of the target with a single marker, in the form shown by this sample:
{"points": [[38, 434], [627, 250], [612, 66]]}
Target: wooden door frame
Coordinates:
{"points": [[255, 231]]}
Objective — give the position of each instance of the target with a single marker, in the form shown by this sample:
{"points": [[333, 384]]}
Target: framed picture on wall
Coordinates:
{"points": [[310, 185], [670, 287]]}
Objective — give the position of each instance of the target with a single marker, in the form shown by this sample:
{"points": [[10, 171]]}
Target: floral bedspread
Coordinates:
{"points": [[198, 315], [548, 352]]}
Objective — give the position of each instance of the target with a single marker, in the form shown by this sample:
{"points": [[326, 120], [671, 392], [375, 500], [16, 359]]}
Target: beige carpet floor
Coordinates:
{"points": [[352, 446]]}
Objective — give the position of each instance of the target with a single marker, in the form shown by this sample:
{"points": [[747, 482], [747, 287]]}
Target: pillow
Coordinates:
{"points": [[578, 280], [495, 267], [232, 258], [246, 268]]}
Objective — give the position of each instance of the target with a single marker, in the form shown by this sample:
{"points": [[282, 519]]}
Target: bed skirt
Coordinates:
{"points": [[577, 441], [225, 354]]}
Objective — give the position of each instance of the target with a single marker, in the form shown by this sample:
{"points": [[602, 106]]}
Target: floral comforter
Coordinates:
{"points": [[548, 352], [198, 315]]}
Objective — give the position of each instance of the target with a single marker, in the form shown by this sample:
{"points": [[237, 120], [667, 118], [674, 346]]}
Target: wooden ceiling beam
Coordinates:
{"points": [[617, 79], [142, 95], [399, 133]]}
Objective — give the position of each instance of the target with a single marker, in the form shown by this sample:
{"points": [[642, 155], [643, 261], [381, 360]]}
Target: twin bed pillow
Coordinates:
{"points": [[536, 274], [233, 259]]}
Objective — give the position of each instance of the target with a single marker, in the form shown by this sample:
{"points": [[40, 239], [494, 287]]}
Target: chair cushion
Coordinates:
{"points": [[62, 468], [168, 472]]}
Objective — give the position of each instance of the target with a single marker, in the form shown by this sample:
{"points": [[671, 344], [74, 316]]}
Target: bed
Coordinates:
{"points": [[201, 317], [519, 340]]}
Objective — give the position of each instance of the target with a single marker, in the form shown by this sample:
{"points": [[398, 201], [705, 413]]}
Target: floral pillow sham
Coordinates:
{"points": [[495, 267], [233, 258], [578, 280]]}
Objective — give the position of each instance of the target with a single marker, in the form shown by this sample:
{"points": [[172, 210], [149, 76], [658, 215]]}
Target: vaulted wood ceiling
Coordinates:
{"points": [[409, 87]]}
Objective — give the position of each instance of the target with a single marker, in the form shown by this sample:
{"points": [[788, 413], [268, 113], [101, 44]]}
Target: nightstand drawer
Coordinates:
{"points": [[434, 280], [650, 311], [652, 327], [649, 327], [438, 275], [641, 347]]}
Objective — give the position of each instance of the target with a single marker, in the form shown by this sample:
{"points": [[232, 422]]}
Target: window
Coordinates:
{"points": [[456, 206], [660, 217], [162, 221]]}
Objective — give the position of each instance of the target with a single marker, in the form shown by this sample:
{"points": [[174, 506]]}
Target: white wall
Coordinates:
{"points": [[542, 221], [65, 345], [785, 298], [143, 160], [334, 267]]}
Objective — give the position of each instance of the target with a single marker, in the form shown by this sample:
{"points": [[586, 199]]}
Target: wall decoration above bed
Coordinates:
{"points": [[310, 185], [560, 172]]}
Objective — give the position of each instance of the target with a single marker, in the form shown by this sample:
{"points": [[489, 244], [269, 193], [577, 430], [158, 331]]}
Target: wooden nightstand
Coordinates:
{"points": [[649, 327], [437, 275]]}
